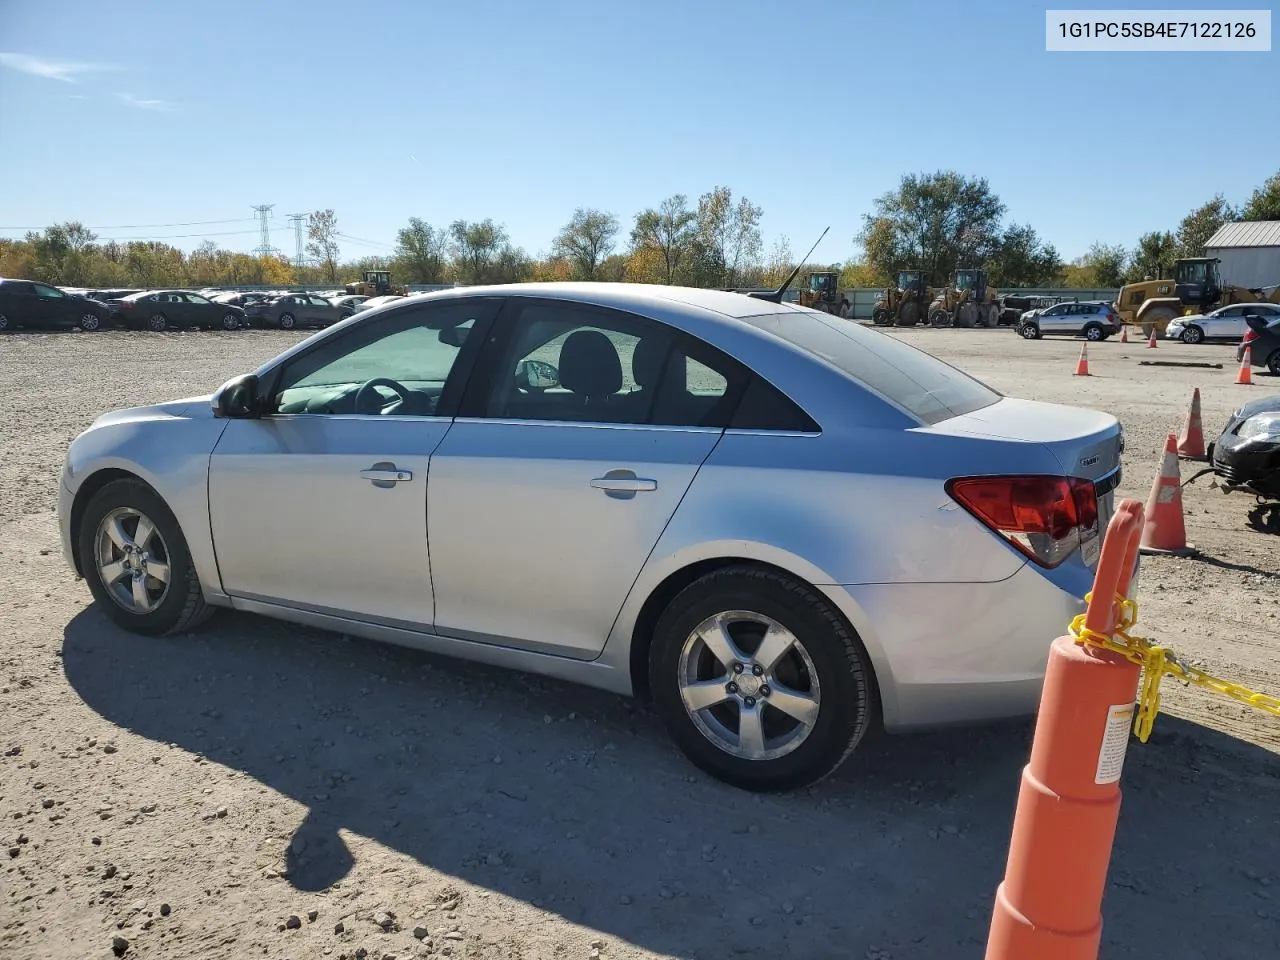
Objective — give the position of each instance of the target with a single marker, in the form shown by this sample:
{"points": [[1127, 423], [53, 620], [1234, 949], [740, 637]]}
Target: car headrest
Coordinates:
{"points": [[589, 364], [647, 360]]}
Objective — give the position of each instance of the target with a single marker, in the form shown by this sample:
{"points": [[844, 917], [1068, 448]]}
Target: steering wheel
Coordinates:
{"points": [[368, 397]]}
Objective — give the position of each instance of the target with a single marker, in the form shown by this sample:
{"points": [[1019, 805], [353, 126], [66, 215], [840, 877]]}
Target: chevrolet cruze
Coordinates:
{"points": [[781, 526]]}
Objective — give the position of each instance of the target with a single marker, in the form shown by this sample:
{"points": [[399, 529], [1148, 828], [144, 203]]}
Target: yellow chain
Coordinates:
{"points": [[1158, 662]]}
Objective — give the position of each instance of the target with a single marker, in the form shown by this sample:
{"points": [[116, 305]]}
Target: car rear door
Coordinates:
{"points": [[322, 504], [553, 486], [18, 303]]}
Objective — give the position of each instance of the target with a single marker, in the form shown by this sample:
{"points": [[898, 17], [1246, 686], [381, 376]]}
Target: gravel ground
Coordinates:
{"points": [[259, 789]]}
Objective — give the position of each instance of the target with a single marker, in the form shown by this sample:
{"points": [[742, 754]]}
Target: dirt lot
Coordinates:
{"points": [[258, 789]]}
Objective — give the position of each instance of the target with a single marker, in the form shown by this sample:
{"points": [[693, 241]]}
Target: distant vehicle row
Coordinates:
{"points": [[29, 304]]}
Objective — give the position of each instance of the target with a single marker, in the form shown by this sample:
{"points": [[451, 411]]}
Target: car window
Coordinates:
{"points": [[1057, 311], [196, 298], [17, 290], [48, 293], [320, 302], [415, 350], [569, 363], [1231, 312], [919, 383]]}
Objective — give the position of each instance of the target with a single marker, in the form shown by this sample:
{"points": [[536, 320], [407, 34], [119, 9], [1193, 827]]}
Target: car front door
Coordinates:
{"points": [[321, 504], [562, 470], [1055, 320], [322, 310], [53, 307], [1225, 324], [202, 311]]}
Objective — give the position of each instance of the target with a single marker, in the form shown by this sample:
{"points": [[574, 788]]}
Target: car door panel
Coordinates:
{"points": [[538, 530], [298, 519]]}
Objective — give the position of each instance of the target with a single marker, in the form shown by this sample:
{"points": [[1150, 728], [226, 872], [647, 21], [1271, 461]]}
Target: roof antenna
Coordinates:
{"points": [[775, 296]]}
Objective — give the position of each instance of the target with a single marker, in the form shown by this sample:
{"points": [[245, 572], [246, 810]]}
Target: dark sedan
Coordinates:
{"points": [[169, 309], [240, 299], [1263, 340], [296, 310], [25, 303]]}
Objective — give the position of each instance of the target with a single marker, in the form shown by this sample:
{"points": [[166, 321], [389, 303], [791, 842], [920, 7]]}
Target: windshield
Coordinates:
{"points": [[964, 280], [906, 280], [920, 384]]}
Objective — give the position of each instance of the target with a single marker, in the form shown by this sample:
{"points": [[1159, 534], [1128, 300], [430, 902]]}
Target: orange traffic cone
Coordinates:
{"points": [[1191, 441], [1245, 375], [1124, 334], [1163, 530], [1151, 344], [1082, 365]]}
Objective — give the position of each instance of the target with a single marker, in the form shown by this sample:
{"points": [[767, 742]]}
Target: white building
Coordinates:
{"points": [[1250, 253]]}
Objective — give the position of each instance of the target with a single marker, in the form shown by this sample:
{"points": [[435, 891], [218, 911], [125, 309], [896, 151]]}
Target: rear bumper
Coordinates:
{"points": [[948, 653]]}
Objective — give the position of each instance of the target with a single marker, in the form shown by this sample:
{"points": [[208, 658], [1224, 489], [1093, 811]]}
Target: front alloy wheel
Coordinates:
{"points": [[132, 560], [1192, 335], [90, 322], [230, 321], [759, 679], [287, 322], [1029, 331]]}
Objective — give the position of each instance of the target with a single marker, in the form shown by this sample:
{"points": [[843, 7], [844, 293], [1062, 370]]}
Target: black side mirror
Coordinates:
{"points": [[237, 399]]}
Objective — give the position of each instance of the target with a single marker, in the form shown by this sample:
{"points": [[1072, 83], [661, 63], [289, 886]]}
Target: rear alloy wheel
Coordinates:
{"points": [[136, 562], [158, 323], [1192, 334], [287, 322], [4, 323], [1029, 331], [90, 322], [230, 321], [1273, 363], [1094, 333], [759, 680]]}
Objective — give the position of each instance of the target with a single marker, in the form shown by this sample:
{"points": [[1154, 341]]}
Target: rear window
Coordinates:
{"points": [[923, 385]]}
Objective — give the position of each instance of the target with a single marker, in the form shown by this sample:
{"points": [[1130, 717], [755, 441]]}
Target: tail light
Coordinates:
{"points": [[1250, 335], [126, 305], [1046, 518]]}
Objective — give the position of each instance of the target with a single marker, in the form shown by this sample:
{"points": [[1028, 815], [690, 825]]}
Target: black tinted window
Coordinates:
{"points": [[764, 407]]}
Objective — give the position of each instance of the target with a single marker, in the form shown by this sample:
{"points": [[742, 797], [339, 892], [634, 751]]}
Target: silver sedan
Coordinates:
{"points": [[782, 527]]}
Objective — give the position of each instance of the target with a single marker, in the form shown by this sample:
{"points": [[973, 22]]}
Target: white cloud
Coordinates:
{"points": [[63, 70], [162, 106], [76, 96]]}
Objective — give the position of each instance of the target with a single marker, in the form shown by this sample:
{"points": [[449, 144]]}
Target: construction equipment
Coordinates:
{"points": [[821, 292], [905, 304], [1196, 287], [376, 283], [969, 303]]}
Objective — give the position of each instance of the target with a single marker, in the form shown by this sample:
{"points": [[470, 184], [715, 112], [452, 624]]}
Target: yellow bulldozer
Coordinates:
{"points": [[821, 292], [904, 305], [376, 283], [1196, 287], [971, 302]]}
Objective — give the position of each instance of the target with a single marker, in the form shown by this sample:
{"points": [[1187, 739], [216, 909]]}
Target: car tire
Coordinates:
{"points": [[90, 322], [1192, 335], [1029, 331], [1094, 333], [287, 321], [5, 324], [1273, 363], [169, 606], [158, 323], [230, 321], [823, 671]]}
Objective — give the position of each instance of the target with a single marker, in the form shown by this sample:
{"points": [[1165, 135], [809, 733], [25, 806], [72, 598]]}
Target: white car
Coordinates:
{"points": [[1226, 323], [376, 302]]}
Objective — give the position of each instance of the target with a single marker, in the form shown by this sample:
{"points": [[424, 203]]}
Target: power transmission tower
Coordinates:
{"points": [[298, 219], [263, 213]]}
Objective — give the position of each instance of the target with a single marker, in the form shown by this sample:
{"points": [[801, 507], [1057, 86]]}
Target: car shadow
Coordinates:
{"points": [[575, 801]]}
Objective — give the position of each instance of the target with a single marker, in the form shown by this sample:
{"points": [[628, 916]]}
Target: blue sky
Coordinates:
{"points": [[165, 113]]}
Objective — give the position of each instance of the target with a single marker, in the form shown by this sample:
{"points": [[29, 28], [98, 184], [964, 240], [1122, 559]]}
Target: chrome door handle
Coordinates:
{"points": [[385, 474], [624, 484]]}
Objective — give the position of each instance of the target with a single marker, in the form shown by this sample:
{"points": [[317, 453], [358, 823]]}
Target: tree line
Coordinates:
{"points": [[936, 222]]}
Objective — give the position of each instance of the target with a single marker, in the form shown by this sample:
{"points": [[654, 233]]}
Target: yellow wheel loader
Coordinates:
{"points": [[376, 283], [971, 302], [904, 305]]}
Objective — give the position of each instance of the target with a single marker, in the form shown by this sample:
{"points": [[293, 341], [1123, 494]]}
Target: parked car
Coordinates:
{"points": [[1263, 340], [1093, 321], [241, 299], [373, 302], [702, 463], [103, 296], [26, 303], [349, 301], [1246, 455], [296, 310], [159, 310], [1225, 323]]}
